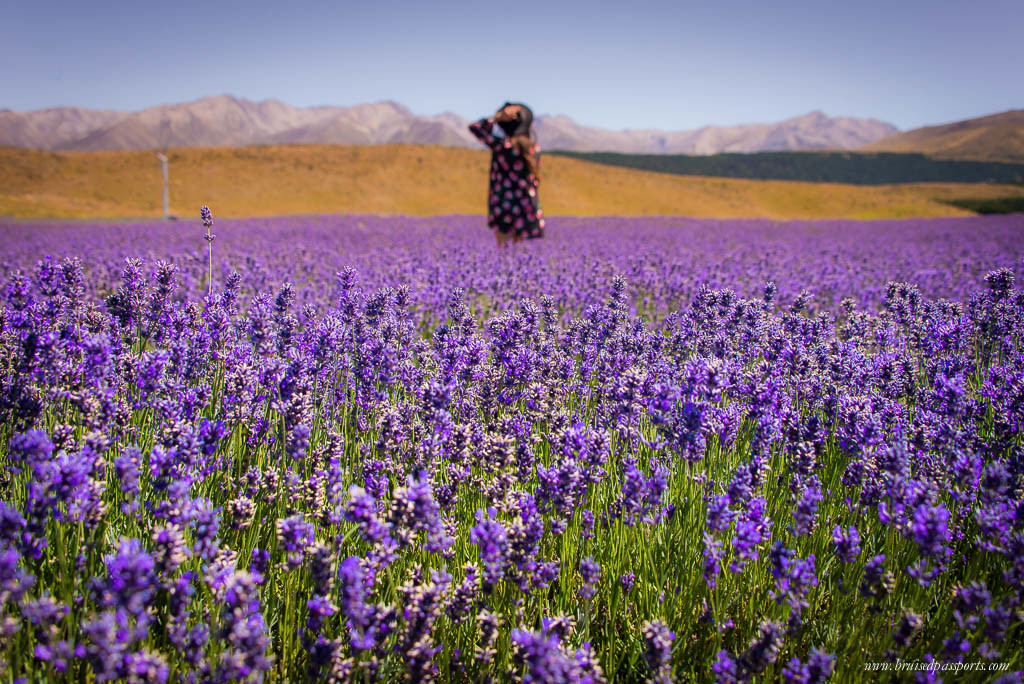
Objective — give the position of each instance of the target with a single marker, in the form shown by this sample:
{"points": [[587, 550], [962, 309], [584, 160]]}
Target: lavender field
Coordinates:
{"points": [[371, 448]]}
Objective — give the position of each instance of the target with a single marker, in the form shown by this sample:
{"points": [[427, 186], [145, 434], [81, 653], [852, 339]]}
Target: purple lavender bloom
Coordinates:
{"points": [[126, 466], [70, 485], [132, 580], [111, 635], [181, 591], [544, 659], [847, 543], [146, 666], [763, 650], [190, 640], [720, 515], [955, 648], [424, 604], [542, 656], [170, 549], [590, 572], [930, 529], [998, 619], [244, 630], [587, 524], [298, 442], [658, 650], [375, 479], [361, 509], [909, 625], [210, 435], [877, 582], [968, 604], [414, 510], [641, 499], [353, 585], [561, 487], [995, 521], [366, 624], [818, 668], [30, 447], [488, 623], [752, 530], [296, 537], [12, 525], [1011, 678], [1000, 282], [321, 571], [44, 611], [490, 535], [319, 610], [59, 654], [807, 507], [14, 582], [794, 577], [465, 595], [726, 670], [741, 485], [545, 574], [207, 524], [801, 302], [164, 467], [259, 562], [712, 560]]}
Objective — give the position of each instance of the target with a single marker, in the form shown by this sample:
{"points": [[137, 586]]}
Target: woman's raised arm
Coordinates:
{"points": [[482, 130]]}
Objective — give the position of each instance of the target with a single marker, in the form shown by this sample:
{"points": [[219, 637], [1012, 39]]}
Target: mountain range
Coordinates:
{"points": [[997, 137], [224, 120]]}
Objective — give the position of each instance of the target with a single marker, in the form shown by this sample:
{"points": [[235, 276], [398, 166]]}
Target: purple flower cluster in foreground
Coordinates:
{"points": [[379, 449]]}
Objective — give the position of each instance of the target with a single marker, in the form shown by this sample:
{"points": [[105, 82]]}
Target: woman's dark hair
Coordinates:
{"points": [[523, 138]]}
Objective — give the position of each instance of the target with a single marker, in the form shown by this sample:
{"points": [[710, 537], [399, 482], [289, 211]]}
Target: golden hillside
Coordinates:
{"points": [[999, 137], [416, 179]]}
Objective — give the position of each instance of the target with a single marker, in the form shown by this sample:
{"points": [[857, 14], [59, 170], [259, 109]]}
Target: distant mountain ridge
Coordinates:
{"points": [[996, 137], [224, 120], [813, 131]]}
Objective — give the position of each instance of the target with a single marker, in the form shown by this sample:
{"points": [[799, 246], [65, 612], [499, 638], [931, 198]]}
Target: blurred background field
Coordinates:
{"points": [[428, 180]]}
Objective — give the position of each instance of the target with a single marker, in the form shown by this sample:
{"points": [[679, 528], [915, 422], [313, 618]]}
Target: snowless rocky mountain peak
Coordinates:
{"points": [[229, 120]]}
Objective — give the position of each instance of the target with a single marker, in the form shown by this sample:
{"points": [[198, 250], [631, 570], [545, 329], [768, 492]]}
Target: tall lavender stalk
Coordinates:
{"points": [[204, 213]]}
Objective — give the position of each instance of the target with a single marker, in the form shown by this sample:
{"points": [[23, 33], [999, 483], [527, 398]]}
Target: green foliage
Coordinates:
{"points": [[992, 205], [881, 168]]}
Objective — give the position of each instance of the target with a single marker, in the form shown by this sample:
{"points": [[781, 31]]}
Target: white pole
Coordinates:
{"points": [[163, 167]]}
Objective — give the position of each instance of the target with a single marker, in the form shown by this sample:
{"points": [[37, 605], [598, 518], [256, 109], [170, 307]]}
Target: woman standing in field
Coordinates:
{"points": [[513, 209]]}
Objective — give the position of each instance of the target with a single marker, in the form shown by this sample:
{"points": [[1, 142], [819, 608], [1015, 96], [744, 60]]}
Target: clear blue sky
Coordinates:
{"points": [[666, 64]]}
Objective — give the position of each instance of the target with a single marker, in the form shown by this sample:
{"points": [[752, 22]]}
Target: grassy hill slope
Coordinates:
{"points": [[418, 179], [999, 137]]}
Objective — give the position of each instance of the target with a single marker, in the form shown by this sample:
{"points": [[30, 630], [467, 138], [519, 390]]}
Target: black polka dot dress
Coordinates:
{"points": [[513, 206]]}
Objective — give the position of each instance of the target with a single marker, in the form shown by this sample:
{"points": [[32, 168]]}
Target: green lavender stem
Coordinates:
{"points": [[209, 245]]}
